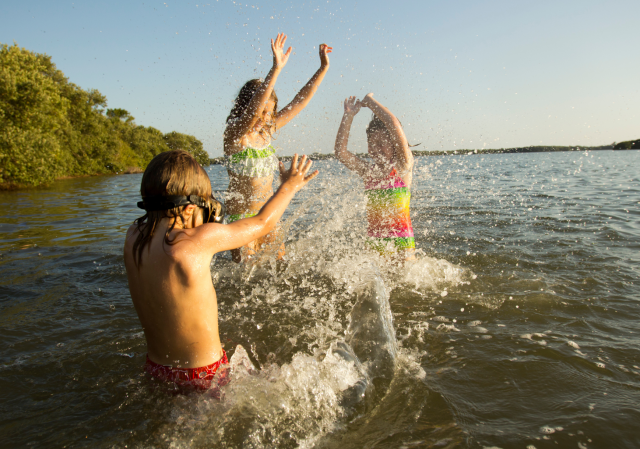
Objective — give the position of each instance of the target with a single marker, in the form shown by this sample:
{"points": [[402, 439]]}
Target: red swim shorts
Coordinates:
{"points": [[198, 378]]}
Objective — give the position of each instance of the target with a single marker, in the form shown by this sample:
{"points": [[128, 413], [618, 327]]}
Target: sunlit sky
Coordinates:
{"points": [[458, 74]]}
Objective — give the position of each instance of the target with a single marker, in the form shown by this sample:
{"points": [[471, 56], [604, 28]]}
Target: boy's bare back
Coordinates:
{"points": [[174, 296], [169, 273]]}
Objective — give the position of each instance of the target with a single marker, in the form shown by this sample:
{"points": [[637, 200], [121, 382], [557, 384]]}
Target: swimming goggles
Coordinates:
{"points": [[214, 210]]}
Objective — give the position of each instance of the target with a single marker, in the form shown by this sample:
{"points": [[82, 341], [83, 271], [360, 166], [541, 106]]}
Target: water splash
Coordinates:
{"points": [[319, 326]]}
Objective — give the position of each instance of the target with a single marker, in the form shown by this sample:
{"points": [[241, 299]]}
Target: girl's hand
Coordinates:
{"points": [[365, 100], [296, 177], [352, 106], [279, 57], [324, 55]]}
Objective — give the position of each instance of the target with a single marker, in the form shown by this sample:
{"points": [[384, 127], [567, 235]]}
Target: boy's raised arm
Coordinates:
{"points": [[350, 160], [225, 237]]}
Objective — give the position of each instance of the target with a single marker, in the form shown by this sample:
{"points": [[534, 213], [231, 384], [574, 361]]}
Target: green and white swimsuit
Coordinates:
{"points": [[253, 162]]}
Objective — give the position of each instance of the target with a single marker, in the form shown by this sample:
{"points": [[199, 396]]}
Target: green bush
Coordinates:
{"points": [[177, 141], [51, 128]]}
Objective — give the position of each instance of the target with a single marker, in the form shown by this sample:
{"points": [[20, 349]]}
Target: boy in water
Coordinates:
{"points": [[167, 255]]}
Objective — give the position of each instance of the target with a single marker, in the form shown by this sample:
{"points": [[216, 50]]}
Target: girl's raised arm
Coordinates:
{"points": [[303, 97], [350, 160], [252, 114], [403, 154]]}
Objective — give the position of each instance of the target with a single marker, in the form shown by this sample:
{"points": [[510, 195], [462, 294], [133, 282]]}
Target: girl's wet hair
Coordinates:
{"points": [[376, 124], [244, 98], [170, 173]]}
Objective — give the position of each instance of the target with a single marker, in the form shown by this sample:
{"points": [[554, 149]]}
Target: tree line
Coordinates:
{"points": [[51, 128], [628, 145]]}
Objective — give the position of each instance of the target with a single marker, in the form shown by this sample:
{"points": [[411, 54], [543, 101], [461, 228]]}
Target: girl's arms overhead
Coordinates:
{"points": [[403, 155], [303, 97], [237, 129], [350, 160]]}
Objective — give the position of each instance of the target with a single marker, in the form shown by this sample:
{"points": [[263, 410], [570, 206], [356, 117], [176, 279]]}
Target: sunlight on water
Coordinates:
{"points": [[319, 305], [526, 271]]}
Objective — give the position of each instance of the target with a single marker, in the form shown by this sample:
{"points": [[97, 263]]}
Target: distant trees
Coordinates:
{"points": [[121, 114], [50, 128], [628, 145]]}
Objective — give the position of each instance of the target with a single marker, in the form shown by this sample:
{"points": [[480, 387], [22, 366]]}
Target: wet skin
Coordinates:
{"points": [[171, 286], [247, 194], [177, 334], [254, 128]]}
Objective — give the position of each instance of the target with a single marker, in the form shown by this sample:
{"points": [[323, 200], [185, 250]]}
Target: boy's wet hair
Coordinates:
{"points": [[170, 173], [244, 98]]}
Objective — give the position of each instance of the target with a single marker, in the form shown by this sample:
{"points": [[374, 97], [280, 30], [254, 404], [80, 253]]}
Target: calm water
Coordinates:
{"points": [[517, 327]]}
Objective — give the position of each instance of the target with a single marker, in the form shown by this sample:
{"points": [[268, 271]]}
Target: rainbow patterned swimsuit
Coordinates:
{"points": [[388, 214]]}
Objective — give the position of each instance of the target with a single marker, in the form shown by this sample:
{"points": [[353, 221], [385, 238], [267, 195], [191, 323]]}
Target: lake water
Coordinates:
{"points": [[517, 327]]}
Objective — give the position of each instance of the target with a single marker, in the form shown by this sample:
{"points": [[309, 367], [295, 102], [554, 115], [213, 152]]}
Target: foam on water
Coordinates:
{"points": [[556, 259], [292, 405], [298, 402], [330, 240], [278, 406], [329, 307]]}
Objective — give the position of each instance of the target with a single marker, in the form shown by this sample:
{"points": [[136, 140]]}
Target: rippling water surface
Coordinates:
{"points": [[516, 327]]}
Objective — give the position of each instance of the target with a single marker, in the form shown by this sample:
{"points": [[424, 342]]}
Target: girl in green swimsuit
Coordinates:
{"points": [[249, 157]]}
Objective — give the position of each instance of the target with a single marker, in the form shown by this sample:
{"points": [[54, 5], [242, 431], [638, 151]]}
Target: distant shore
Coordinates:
{"points": [[532, 149]]}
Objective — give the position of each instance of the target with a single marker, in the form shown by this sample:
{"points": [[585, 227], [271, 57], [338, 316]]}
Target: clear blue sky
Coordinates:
{"points": [[459, 74]]}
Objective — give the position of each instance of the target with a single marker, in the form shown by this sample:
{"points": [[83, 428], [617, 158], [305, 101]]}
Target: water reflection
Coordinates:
{"points": [[517, 321]]}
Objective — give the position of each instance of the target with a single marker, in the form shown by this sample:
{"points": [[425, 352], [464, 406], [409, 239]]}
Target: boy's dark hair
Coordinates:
{"points": [[170, 173], [244, 98]]}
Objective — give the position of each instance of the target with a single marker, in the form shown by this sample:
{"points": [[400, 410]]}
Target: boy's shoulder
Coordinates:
{"points": [[132, 234], [204, 236], [133, 229]]}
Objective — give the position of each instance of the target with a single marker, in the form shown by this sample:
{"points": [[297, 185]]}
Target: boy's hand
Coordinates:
{"points": [[279, 57], [324, 55], [296, 177], [352, 106]]}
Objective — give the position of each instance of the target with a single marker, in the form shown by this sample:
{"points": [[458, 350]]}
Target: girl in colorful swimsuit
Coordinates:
{"points": [[387, 181], [249, 157]]}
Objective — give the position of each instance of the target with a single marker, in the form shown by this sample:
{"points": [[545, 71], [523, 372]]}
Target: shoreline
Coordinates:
{"points": [[532, 149], [330, 156], [9, 187]]}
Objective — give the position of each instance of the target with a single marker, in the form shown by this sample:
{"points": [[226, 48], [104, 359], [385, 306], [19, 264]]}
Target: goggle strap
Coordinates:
{"points": [[158, 203], [155, 203]]}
